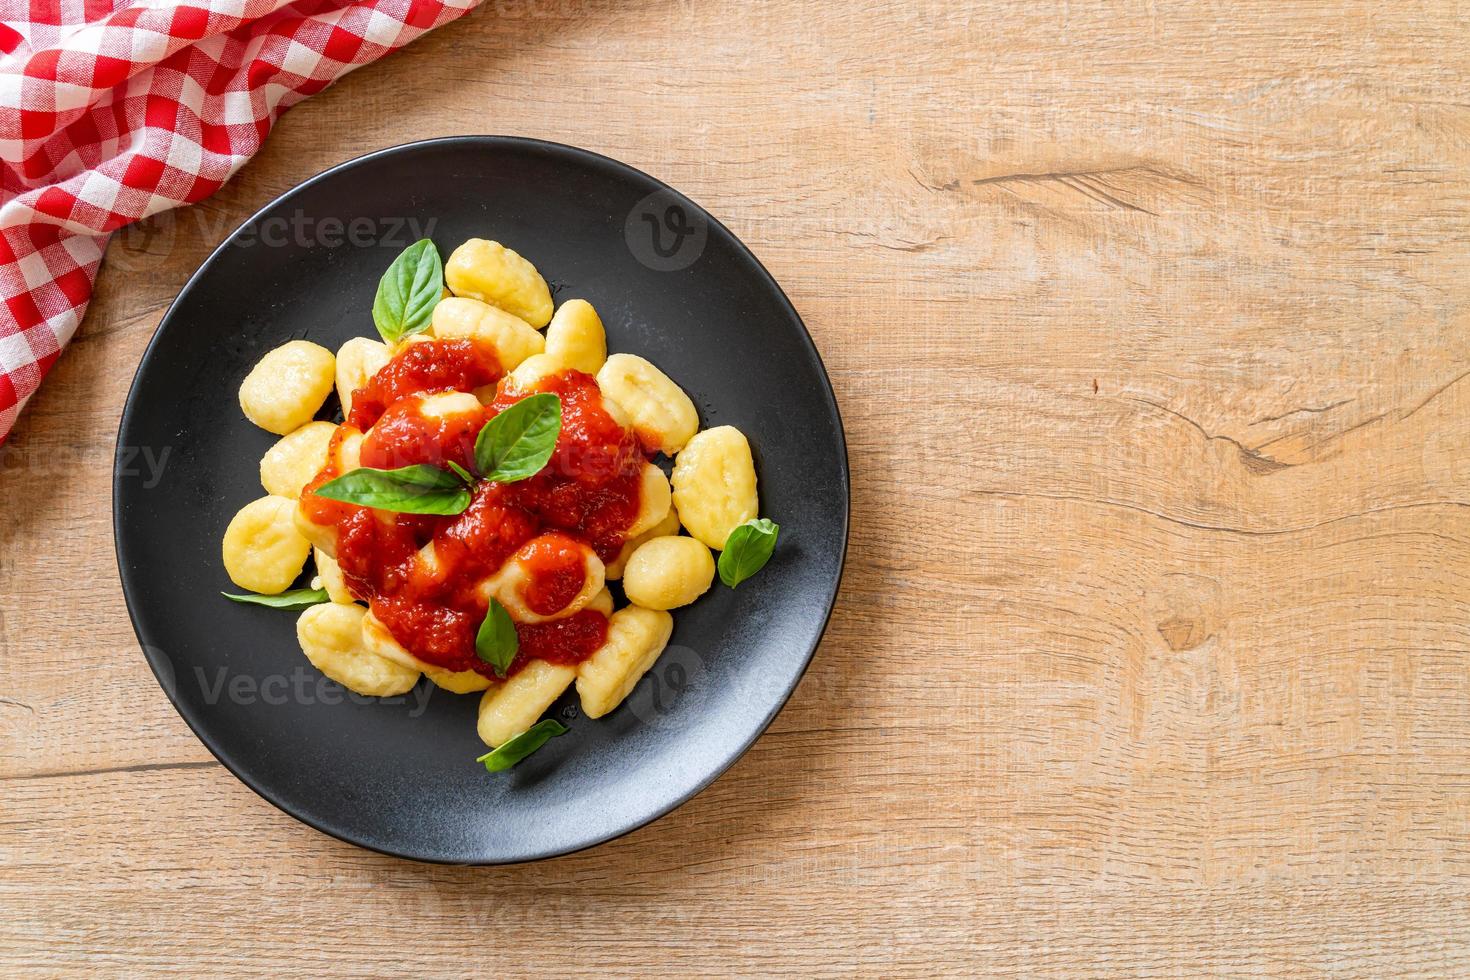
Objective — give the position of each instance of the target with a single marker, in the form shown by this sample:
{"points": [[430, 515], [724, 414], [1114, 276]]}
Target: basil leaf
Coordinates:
{"points": [[464, 474], [747, 550], [409, 291], [522, 745], [519, 441], [496, 642], [417, 489], [295, 599]]}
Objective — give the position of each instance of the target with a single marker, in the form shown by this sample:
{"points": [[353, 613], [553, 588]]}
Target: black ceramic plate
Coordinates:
{"points": [[399, 776]]}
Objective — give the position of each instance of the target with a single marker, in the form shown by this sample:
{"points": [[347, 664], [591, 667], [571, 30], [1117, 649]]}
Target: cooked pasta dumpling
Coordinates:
{"points": [[491, 273], [287, 387], [669, 525], [576, 338], [655, 498], [668, 572], [295, 459], [458, 681], [533, 369], [660, 412], [377, 638], [602, 602], [329, 577], [512, 706], [714, 484], [357, 361], [512, 338], [262, 549], [635, 638], [533, 583], [330, 635]]}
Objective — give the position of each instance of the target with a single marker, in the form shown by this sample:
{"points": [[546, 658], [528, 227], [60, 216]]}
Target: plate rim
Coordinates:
{"points": [[490, 142]]}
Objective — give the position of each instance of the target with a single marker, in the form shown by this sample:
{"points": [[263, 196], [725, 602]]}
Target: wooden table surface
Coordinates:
{"points": [[1149, 328]]}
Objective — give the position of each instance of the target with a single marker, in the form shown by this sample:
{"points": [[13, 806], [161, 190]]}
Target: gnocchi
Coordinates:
{"points": [[655, 498], [668, 572], [533, 369], [512, 338], [517, 585], [357, 361], [458, 681], [378, 639], [669, 525], [714, 484], [661, 414], [511, 707], [635, 638], [329, 574], [330, 635], [576, 338], [491, 586], [262, 549], [602, 602], [293, 461], [491, 273], [288, 386]]}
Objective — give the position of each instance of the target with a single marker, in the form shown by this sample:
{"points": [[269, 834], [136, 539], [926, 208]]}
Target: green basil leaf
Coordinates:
{"points": [[409, 291], [464, 474], [496, 642], [295, 599], [417, 489], [747, 550], [519, 441], [522, 745]]}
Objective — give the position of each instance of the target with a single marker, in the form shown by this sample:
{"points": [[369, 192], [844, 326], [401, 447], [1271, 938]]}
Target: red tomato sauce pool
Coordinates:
{"points": [[586, 496], [430, 365]]}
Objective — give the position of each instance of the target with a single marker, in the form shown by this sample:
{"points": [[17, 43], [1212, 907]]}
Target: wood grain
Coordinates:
{"points": [[1149, 326]]}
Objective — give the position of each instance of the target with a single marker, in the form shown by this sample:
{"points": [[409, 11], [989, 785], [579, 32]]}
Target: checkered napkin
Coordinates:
{"points": [[113, 110]]}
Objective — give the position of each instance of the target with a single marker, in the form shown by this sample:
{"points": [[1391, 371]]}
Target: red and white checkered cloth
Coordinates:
{"points": [[113, 110]]}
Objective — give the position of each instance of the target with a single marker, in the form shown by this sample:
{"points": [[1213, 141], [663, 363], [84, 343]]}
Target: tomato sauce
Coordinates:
{"points": [[432, 365], [422, 575], [405, 434], [590, 489]]}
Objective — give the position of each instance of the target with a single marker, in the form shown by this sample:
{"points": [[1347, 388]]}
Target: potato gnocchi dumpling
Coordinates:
{"points": [[655, 499], [635, 638], [514, 585], [329, 574], [378, 639], [533, 369], [660, 412], [476, 514], [668, 572], [357, 361], [292, 462], [576, 338], [511, 707], [348, 456], [602, 602], [322, 537], [512, 338], [458, 681], [262, 549], [669, 525], [288, 386], [714, 484], [331, 637], [491, 273]]}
